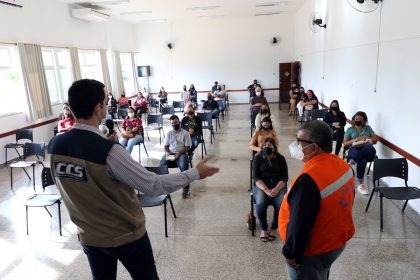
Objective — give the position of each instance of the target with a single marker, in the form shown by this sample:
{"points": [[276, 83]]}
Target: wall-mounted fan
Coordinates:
{"points": [[275, 41], [169, 45], [364, 6], [315, 22]]}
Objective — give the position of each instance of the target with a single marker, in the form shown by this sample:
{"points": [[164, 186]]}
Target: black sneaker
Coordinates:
{"points": [[185, 195]]}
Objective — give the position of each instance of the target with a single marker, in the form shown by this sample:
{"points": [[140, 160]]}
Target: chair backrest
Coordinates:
{"points": [[168, 111], [34, 149], [122, 113], [206, 117], [396, 167], [24, 134], [178, 104], [318, 114], [158, 119], [46, 177], [160, 170]]}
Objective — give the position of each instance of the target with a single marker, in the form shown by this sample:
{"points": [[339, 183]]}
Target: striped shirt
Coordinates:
{"points": [[123, 168]]}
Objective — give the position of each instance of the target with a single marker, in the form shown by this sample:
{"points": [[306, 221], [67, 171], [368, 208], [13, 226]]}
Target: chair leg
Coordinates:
{"points": [[370, 165], [27, 226], [172, 206], [147, 134], [160, 138], [144, 146], [59, 217], [11, 178], [166, 221], [405, 204], [26, 172], [45, 207], [382, 214], [370, 199], [33, 175], [252, 215]]}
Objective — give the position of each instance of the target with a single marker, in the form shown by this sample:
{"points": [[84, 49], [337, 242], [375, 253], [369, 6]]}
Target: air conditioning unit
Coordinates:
{"points": [[14, 3], [90, 14]]}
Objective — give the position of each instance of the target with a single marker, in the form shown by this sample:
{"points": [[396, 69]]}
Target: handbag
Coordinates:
{"points": [[251, 221], [127, 135], [360, 143]]}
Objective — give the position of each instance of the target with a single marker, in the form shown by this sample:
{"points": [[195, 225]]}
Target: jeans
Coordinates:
{"points": [[314, 267], [137, 258], [215, 113], [129, 143], [195, 138], [338, 136], [362, 155], [182, 163], [262, 201]]}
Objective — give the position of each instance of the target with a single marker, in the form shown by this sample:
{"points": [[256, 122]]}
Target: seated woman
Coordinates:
{"points": [[193, 96], [266, 131], [360, 137], [299, 105], [270, 184], [67, 122], [336, 119], [192, 124], [140, 104], [310, 102], [162, 96], [132, 130], [112, 106], [294, 94], [264, 112], [123, 101]]}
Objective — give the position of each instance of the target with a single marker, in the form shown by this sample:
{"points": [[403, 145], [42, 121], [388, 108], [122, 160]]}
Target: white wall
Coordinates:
{"points": [[231, 51], [48, 22], [340, 62]]}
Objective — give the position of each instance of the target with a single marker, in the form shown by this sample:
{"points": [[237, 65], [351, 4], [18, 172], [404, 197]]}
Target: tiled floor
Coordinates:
{"points": [[209, 239]]}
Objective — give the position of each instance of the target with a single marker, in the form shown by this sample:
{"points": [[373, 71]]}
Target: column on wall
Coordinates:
{"points": [[118, 72], [105, 70]]}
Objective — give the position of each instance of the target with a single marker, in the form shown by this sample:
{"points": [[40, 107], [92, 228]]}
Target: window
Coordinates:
{"points": [[90, 65], [127, 72], [58, 72], [12, 91]]}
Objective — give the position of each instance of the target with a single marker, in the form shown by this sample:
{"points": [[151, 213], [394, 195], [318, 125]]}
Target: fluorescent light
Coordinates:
{"points": [[268, 13], [210, 17], [202, 8], [271, 4], [111, 2], [135, 13]]}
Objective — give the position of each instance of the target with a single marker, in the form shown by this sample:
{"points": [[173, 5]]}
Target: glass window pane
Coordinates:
{"points": [[47, 57], [5, 60], [52, 86], [64, 58], [66, 81]]}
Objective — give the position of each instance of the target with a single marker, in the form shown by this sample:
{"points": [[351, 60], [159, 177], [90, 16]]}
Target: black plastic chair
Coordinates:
{"points": [[398, 168], [29, 149], [318, 114], [158, 120], [168, 111], [152, 201], [122, 113], [178, 106], [21, 134], [44, 200], [144, 146], [207, 118]]}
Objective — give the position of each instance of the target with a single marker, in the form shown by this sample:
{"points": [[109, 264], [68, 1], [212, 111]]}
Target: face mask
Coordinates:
{"points": [[131, 115], [176, 126], [335, 109], [190, 113], [296, 151], [268, 151], [265, 111], [122, 95], [209, 98], [358, 123], [258, 93], [266, 128]]}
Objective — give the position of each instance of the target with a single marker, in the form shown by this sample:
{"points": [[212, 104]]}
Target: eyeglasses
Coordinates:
{"points": [[304, 141]]}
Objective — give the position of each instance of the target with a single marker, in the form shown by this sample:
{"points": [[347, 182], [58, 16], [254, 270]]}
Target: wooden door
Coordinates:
{"points": [[285, 80]]}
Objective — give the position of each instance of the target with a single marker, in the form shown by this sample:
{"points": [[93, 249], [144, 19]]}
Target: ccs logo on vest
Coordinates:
{"points": [[70, 171]]}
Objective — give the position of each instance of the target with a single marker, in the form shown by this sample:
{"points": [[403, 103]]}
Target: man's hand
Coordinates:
{"points": [[292, 263], [206, 170]]}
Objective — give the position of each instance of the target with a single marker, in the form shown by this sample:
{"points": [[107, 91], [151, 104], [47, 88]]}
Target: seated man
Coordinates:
{"points": [[192, 124], [177, 144], [211, 106]]}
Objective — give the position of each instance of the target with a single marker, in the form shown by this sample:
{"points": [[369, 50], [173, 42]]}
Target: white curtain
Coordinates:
{"points": [[136, 80], [118, 72], [38, 99], [105, 71], [75, 64]]}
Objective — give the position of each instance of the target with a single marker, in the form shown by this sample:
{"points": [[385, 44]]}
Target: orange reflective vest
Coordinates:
{"points": [[334, 224]]}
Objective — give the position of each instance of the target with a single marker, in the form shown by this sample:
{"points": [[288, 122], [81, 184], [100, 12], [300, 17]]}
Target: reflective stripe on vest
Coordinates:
{"points": [[333, 187]]}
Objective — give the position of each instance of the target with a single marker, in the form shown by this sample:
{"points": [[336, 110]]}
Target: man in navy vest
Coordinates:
{"points": [[98, 180]]}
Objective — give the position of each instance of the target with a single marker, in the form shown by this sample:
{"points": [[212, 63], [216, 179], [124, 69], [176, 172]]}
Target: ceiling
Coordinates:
{"points": [[136, 11]]}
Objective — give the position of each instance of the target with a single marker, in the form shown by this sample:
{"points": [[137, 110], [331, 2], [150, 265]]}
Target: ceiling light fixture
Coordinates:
{"points": [[210, 17], [268, 13], [203, 8], [135, 13]]}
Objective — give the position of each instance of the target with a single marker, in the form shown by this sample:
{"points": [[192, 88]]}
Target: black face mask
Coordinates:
{"points": [[266, 128], [176, 126], [268, 151], [190, 113], [335, 109], [209, 98], [264, 111], [358, 123]]}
